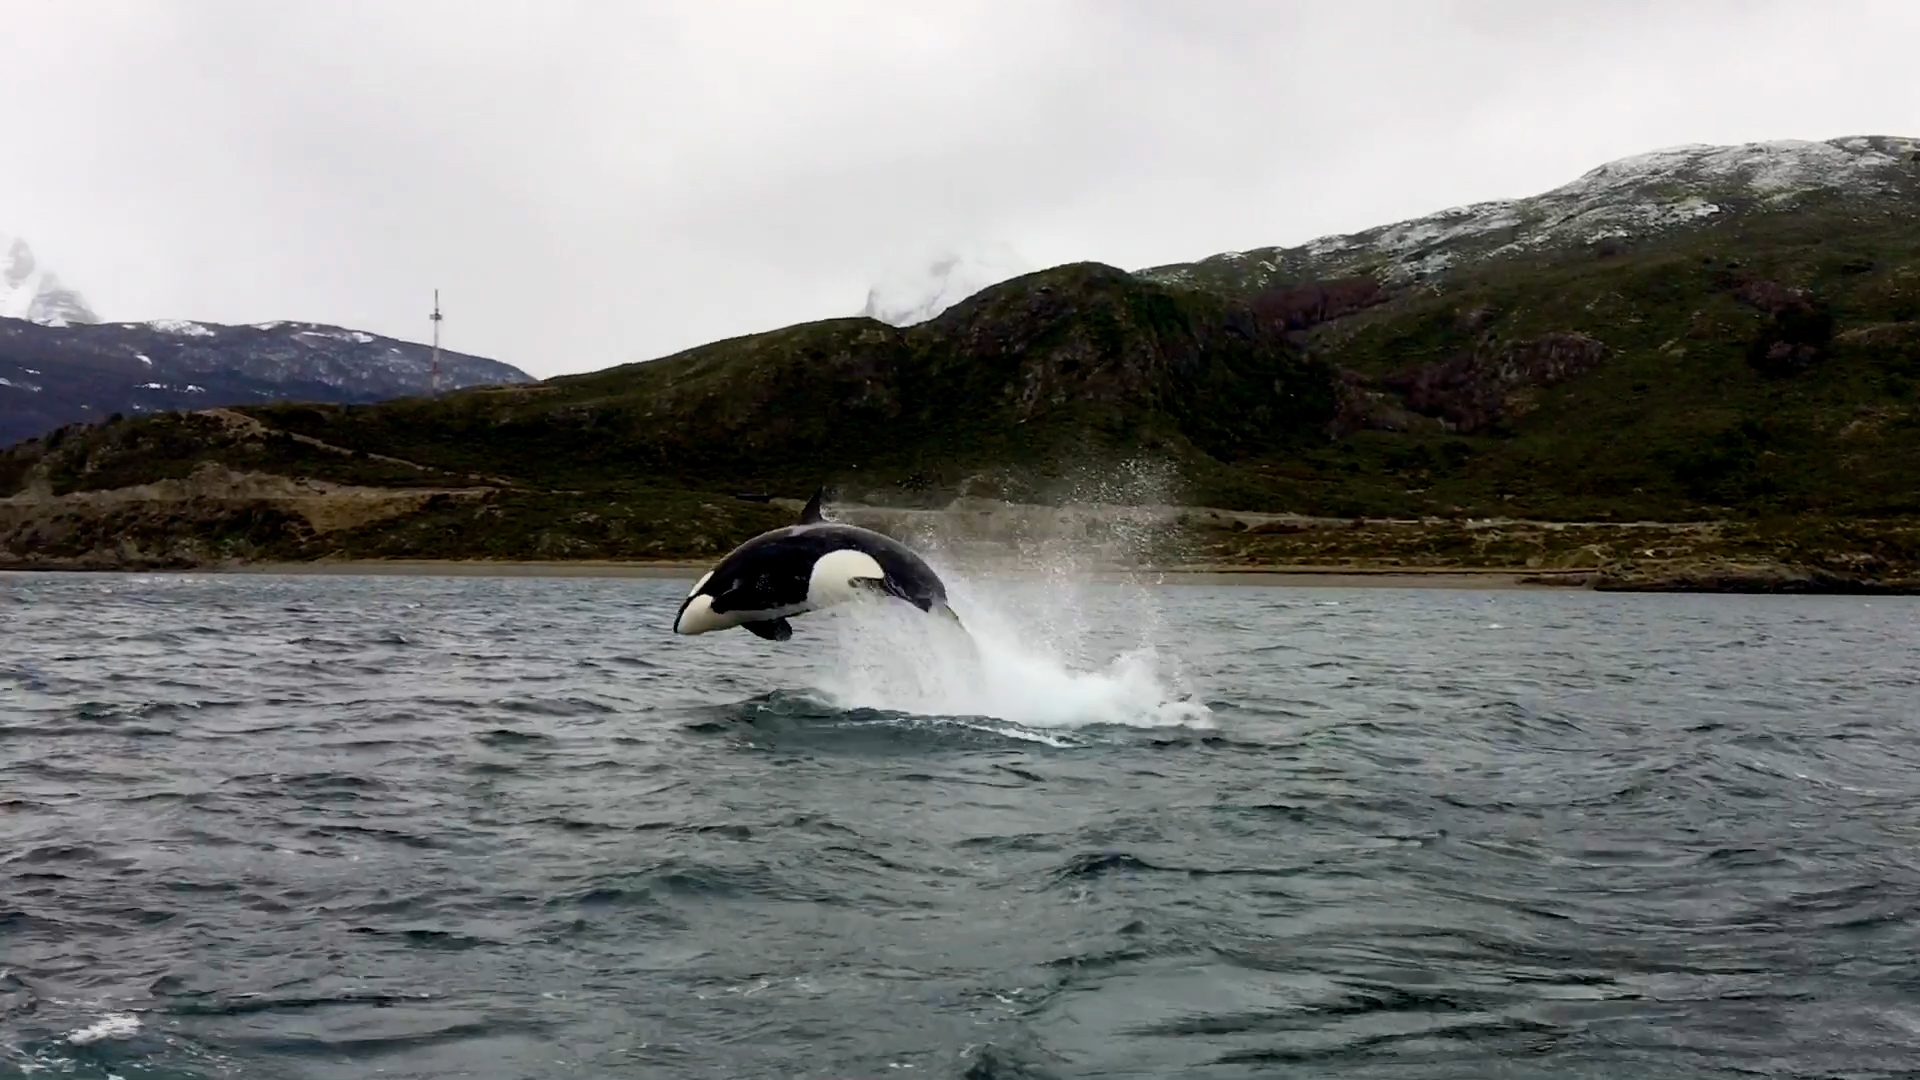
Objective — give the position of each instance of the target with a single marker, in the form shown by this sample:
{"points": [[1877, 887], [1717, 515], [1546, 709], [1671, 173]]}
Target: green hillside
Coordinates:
{"points": [[1759, 366]]}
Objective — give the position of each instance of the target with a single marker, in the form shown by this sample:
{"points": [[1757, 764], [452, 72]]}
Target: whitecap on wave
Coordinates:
{"points": [[111, 1026]]}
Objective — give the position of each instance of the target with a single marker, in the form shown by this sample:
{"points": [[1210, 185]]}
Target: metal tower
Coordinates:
{"points": [[434, 372]]}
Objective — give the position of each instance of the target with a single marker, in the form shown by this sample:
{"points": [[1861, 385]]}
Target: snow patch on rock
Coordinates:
{"points": [[182, 327], [355, 336]]}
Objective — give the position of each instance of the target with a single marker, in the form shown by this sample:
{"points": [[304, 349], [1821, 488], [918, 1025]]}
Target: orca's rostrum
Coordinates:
{"points": [[805, 567]]}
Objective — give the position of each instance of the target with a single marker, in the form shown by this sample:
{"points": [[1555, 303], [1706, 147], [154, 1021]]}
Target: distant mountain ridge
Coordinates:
{"points": [[58, 373], [1691, 366], [1634, 197], [60, 364], [30, 291]]}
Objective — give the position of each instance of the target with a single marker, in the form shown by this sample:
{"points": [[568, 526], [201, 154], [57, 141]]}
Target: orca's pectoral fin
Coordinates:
{"points": [[878, 586], [886, 587], [772, 629]]}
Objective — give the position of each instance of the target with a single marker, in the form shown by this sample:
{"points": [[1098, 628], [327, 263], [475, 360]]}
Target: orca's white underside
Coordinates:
{"points": [[832, 581]]}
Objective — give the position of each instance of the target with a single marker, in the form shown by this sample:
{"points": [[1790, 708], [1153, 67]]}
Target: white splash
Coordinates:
{"points": [[1017, 666], [112, 1026], [1045, 646]]}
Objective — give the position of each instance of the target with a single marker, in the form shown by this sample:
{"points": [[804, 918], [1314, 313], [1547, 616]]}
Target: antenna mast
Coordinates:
{"points": [[434, 371]]}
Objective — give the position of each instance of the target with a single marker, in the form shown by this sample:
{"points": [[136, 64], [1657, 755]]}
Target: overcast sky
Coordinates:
{"points": [[595, 183]]}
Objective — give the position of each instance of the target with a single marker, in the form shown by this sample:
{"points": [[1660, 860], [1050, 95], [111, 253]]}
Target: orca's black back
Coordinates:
{"points": [[772, 570]]}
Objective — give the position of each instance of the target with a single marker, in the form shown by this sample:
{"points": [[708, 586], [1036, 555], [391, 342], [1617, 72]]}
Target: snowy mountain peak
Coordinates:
{"points": [[29, 291], [911, 295], [1634, 196], [1776, 169]]}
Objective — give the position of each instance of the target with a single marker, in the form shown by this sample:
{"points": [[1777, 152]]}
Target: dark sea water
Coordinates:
{"points": [[408, 827]]}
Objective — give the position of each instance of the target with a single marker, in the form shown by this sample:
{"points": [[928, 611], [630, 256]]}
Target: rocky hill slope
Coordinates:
{"points": [[56, 374], [1741, 384]]}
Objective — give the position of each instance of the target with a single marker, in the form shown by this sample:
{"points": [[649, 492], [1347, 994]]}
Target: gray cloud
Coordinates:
{"points": [[596, 183]]}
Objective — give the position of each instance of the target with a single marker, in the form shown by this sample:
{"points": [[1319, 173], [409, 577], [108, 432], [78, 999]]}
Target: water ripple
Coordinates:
{"points": [[511, 827]]}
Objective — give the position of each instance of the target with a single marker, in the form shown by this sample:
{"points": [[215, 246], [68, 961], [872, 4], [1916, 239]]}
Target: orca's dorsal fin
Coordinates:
{"points": [[811, 515]]}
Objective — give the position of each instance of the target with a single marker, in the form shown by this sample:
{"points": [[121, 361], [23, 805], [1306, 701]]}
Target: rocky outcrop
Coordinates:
{"points": [[1469, 392], [1797, 330], [1303, 307]]}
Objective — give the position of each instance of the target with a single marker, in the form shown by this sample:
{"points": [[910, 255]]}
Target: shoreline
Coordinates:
{"points": [[1764, 579], [1502, 578]]}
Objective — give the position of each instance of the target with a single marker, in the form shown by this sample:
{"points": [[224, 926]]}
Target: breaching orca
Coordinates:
{"points": [[806, 567]]}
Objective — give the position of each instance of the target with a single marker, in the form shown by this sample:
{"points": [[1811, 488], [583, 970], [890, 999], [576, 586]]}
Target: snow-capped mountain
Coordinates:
{"points": [[1633, 197], [29, 291], [912, 295], [55, 374]]}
